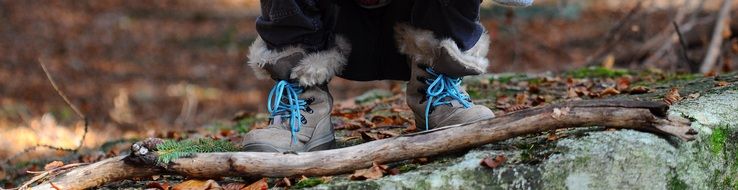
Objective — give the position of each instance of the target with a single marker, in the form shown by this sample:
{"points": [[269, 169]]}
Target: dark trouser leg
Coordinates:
{"points": [[455, 19], [307, 23], [375, 55]]}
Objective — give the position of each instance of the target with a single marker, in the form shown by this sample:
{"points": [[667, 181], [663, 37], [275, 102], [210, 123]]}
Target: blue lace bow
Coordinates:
{"points": [[284, 102], [442, 91]]}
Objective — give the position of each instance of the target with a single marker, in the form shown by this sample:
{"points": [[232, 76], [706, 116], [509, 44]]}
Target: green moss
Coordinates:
{"points": [[309, 182], [407, 167], [170, 149], [244, 125], [474, 93], [717, 140], [676, 184], [596, 72]]}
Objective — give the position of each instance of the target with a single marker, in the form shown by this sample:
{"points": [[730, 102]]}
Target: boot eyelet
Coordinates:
{"points": [[303, 120], [310, 101], [309, 110]]}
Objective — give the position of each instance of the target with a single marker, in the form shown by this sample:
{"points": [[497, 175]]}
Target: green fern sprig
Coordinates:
{"points": [[171, 149]]}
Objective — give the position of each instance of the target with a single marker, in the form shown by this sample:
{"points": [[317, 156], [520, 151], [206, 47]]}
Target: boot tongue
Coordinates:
{"points": [[455, 103], [282, 68]]}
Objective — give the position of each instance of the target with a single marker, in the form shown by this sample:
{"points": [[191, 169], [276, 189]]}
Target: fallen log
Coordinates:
{"points": [[624, 114]]}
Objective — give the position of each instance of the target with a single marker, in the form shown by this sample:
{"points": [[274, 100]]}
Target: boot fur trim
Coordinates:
{"points": [[422, 46], [316, 68]]}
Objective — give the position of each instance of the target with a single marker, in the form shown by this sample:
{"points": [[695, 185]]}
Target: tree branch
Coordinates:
{"points": [[638, 115]]}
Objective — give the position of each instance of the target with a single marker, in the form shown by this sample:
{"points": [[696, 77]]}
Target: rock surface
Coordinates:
{"points": [[596, 158]]}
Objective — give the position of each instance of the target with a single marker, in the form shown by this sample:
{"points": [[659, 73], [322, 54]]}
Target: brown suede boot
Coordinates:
{"points": [[299, 103], [434, 91]]}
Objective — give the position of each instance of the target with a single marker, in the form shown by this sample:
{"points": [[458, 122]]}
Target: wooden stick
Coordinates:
{"points": [[713, 50], [638, 115]]}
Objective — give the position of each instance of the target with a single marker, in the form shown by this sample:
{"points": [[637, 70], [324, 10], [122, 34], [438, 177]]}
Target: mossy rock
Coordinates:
{"points": [[594, 158]]}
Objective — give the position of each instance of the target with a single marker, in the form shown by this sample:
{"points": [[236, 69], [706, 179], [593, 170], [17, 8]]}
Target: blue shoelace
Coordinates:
{"points": [[439, 89], [284, 102]]}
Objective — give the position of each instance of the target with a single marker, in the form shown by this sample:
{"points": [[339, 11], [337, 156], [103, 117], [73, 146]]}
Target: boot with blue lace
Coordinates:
{"points": [[434, 92], [299, 104]]}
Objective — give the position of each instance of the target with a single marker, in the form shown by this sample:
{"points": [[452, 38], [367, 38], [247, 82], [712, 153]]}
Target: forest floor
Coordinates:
{"points": [[380, 113], [176, 70]]}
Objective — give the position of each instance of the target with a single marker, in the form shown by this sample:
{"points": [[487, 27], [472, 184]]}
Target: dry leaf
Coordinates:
{"points": [[571, 81], [521, 99], [609, 92], [258, 185], [721, 84], [284, 182], [365, 123], [552, 136], [495, 162], [672, 96], [581, 91], [623, 83], [53, 165], [538, 100], [593, 95], [639, 90], [197, 185], [380, 120], [157, 185], [234, 186], [712, 73], [375, 172], [371, 135]]}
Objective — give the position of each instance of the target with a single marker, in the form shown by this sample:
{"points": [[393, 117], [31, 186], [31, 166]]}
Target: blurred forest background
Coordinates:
{"points": [[140, 68]]}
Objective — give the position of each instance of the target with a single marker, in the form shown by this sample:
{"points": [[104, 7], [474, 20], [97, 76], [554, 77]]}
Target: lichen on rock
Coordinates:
{"points": [[593, 158]]}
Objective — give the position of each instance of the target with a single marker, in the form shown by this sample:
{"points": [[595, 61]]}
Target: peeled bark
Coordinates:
{"points": [[638, 115]]}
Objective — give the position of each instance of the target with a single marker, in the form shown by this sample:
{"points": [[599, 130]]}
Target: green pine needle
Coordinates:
{"points": [[171, 149]]}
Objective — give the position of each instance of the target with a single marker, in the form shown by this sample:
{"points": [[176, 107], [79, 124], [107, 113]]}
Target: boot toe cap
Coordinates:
{"points": [[270, 140], [468, 115]]}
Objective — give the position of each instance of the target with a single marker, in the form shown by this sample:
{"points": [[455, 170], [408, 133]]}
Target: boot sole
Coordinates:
{"points": [[263, 147], [325, 143], [325, 146]]}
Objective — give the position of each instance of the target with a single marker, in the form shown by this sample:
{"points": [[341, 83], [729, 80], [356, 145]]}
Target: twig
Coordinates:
{"points": [[56, 88], [69, 103], [713, 50], [74, 108]]}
